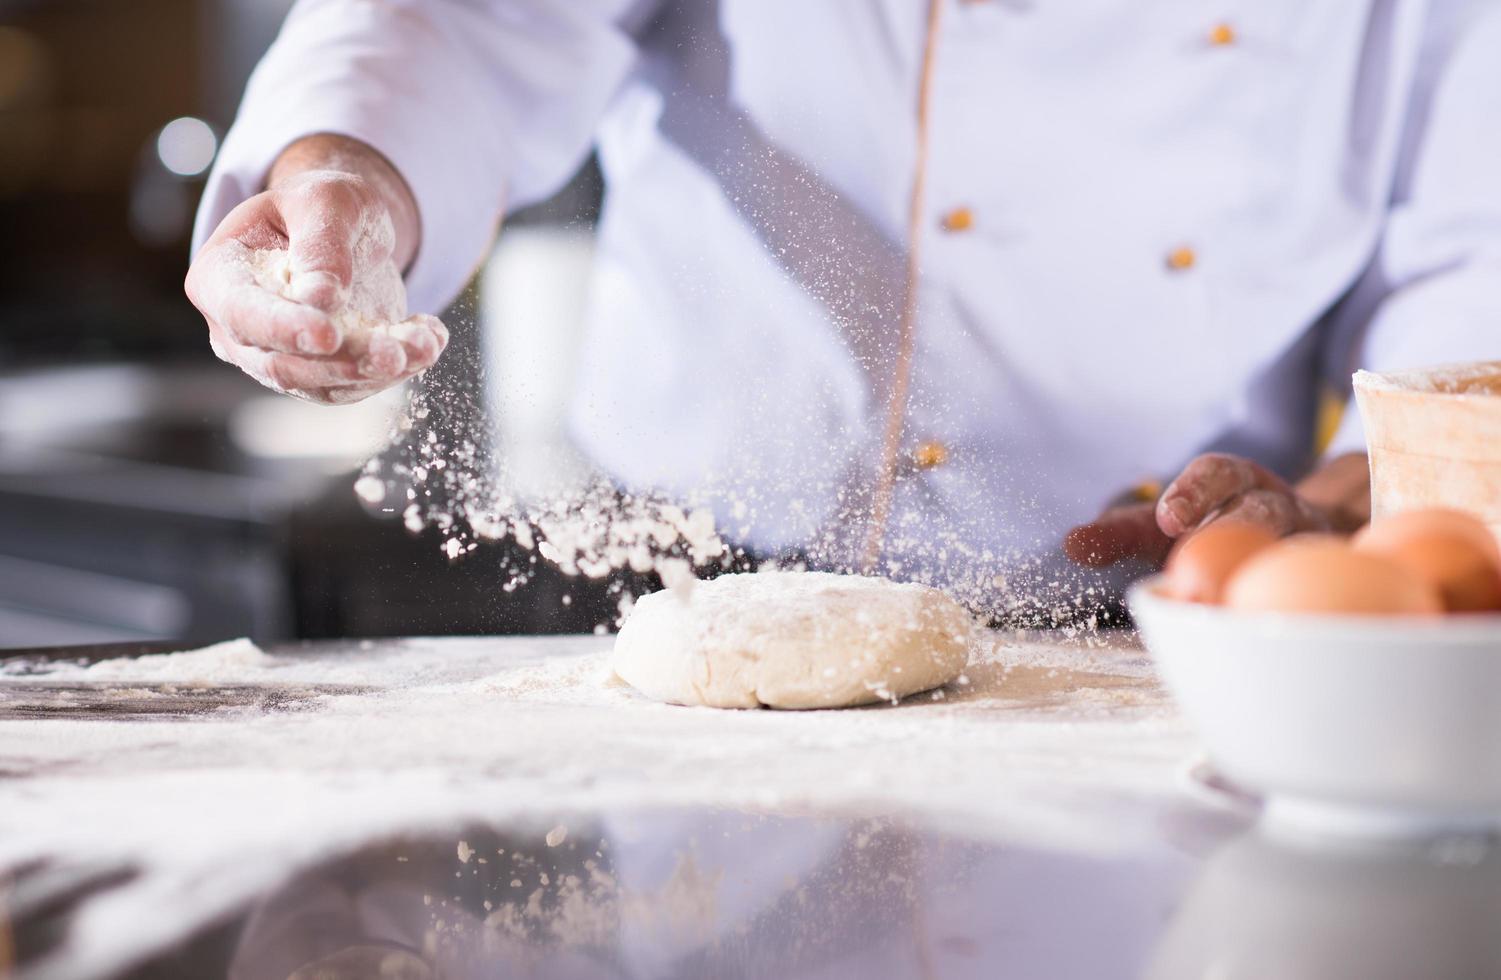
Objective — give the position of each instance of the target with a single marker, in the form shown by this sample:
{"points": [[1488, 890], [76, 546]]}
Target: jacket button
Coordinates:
{"points": [[959, 219], [929, 455], [1181, 259], [1221, 35]]}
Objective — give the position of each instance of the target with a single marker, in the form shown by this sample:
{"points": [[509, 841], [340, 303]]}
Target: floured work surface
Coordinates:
{"points": [[294, 754]]}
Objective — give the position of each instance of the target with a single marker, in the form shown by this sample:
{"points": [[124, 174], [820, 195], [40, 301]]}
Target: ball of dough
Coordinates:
{"points": [[792, 640]]}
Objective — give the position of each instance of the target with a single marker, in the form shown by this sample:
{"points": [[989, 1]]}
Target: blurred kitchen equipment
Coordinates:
{"points": [[126, 513]]}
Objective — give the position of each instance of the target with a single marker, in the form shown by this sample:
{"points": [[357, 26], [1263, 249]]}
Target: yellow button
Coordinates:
{"points": [[1221, 35], [959, 219], [929, 454], [1147, 491], [1181, 258]]}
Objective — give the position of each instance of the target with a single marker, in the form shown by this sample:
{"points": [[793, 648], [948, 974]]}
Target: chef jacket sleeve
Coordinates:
{"points": [[479, 105], [1441, 252]]}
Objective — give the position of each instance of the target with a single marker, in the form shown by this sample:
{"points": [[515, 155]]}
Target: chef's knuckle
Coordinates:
{"points": [[231, 331], [279, 372], [291, 192], [1197, 470], [1221, 464], [345, 193], [1272, 509]]}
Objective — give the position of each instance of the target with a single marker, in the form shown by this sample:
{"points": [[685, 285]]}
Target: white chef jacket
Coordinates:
{"points": [[1147, 229]]}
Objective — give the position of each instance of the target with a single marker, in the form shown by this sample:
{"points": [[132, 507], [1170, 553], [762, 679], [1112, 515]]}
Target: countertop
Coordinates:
{"points": [[504, 807]]}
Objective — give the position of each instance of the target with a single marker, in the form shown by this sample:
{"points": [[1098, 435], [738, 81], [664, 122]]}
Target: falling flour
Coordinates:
{"points": [[442, 472], [591, 529], [439, 474]]}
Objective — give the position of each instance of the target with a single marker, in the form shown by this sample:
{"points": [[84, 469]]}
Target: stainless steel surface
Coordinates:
{"points": [[873, 884]]}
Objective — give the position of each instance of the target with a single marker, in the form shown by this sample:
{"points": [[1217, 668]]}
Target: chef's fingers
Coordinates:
{"points": [[340, 394], [255, 221], [378, 356], [289, 372], [324, 215], [1280, 512], [224, 348], [345, 394], [1129, 531], [374, 359], [1207, 484], [349, 394], [423, 337], [222, 285], [370, 362]]}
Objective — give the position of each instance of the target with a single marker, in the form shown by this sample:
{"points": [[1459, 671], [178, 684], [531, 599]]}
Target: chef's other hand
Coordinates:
{"points": [[321, 192], [1335, 497]]}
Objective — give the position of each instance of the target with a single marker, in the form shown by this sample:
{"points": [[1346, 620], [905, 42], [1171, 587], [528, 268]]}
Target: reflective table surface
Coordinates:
{"points": [[202, 821]]}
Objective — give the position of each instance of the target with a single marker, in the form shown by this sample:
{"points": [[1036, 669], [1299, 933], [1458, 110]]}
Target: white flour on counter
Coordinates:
{"points": [[219, 663], [1037, 743]]}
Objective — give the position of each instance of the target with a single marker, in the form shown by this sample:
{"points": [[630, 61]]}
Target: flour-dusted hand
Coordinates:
{"points": [[1220, 487], [301, 285]]}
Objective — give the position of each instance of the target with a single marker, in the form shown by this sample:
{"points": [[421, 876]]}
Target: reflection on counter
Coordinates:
{"points": [[686, 893], [1269, 908], [729, 894]]}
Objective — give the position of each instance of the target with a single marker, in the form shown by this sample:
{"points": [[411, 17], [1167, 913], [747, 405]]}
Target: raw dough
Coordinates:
{"points": [[792, 640]]}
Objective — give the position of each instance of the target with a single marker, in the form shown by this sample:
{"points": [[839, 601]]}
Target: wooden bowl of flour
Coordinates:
{"points": [[1434, 438]]}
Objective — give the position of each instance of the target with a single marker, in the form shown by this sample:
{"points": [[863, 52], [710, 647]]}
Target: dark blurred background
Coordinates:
{"points": [[148, 491]]}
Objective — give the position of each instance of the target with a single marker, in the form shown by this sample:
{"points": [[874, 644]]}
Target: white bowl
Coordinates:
{"points": [[1369, 725]]}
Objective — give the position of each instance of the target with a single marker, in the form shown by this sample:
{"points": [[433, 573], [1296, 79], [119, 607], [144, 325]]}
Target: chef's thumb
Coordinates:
{"points": [[322, 224]]}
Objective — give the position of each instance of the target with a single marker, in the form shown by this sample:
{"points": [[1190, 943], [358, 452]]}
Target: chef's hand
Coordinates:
{"points": [[321, 193], [1335, 497]]}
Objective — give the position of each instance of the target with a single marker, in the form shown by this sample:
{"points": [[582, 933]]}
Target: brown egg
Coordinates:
{"points": [[1201, 563], [1452, 551], [1325, 574]]}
